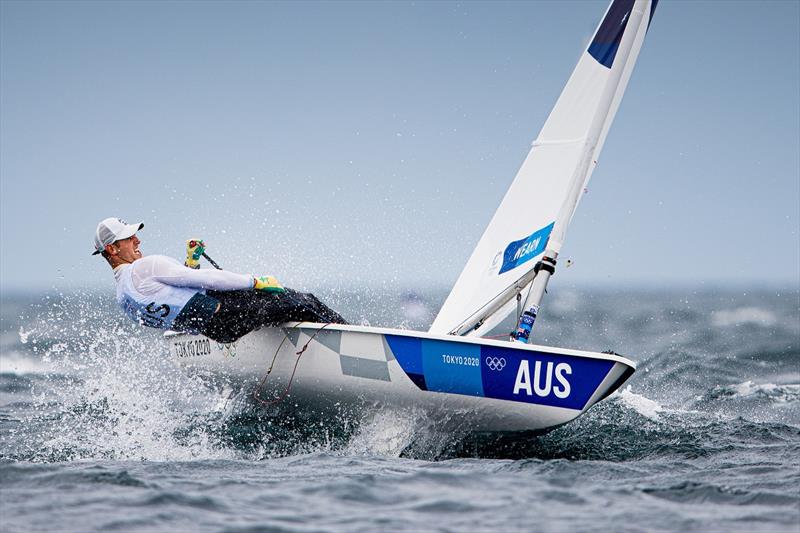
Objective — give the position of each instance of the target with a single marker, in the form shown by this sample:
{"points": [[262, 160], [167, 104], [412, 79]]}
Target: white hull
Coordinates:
{"points": [[489, 385]]}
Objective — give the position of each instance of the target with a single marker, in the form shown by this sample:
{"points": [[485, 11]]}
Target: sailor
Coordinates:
{"points": [[160, 292]]}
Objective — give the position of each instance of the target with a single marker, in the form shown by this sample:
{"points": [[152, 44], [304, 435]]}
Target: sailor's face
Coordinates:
{"points": [[128, 249]]}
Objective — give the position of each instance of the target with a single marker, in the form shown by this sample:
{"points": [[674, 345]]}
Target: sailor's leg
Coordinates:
{"points": [[243, 311], [291, 305], [235, 317], [319, 310]]}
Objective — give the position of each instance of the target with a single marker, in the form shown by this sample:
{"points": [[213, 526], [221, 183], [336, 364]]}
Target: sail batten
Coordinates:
{"points": [[536, 211], [558, 141]]}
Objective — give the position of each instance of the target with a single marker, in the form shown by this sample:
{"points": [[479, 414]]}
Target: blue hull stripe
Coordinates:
{"points": [[497, 372]]}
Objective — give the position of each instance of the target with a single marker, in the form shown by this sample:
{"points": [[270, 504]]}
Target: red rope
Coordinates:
{"points": [[285, 393]]}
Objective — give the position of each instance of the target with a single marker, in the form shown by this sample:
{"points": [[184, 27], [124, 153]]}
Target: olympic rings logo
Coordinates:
{"points": [[496, 363]]}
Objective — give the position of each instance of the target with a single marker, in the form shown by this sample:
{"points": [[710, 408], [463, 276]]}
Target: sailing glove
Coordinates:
{"points": [[194, 250], [267, 284]]}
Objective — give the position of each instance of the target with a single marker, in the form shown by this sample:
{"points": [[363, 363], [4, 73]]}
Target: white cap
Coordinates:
{"points": [[111, 230]]}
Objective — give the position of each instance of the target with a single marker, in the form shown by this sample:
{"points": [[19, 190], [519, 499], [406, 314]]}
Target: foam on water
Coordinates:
{"points": [[743, 315], [778, 393], [18, 363], [122, 400], [387, 432], [124, 411], [642, 405]]}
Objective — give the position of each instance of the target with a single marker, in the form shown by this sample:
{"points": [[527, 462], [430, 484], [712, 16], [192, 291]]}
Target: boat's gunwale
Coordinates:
{"points": [[449, 338]]}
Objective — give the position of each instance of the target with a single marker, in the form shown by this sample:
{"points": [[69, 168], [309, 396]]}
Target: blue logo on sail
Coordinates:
{"points": [[524, 250]]}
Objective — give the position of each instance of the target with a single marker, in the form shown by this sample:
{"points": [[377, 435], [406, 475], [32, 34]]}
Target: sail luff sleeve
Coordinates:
{"points": [[622, 44]]}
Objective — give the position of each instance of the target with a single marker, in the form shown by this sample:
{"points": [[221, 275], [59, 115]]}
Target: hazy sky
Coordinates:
{"points": [[370, 143]]}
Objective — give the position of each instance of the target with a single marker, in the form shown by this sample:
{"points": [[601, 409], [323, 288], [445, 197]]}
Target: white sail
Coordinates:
{"points": [[536, 210]]}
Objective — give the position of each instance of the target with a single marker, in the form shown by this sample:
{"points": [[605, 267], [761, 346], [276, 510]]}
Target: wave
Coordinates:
{"points": [[743, 315], [18, 364], [118, 396], [710, 493], [137, 422], [785, 393]]}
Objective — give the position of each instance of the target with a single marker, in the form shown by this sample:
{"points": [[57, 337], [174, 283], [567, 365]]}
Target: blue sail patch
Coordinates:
{"points": [[606, 41], [524, 250]]}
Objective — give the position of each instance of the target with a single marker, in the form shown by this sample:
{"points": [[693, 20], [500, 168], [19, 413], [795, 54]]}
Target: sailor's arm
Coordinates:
{"points": [[171, 272], [195, 249]]}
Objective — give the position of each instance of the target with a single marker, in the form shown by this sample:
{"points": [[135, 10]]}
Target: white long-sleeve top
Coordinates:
{"points": [[149, 275], [154, 289]]}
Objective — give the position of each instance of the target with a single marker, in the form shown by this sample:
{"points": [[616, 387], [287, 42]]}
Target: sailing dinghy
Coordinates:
{"points": [[454, 369]]}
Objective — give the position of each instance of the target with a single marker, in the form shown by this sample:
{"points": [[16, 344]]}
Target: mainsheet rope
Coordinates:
{"points": [[257, 392], [285, 393]]}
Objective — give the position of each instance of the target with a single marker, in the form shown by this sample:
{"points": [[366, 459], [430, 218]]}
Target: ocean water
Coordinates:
{"points": [[99, 431]]}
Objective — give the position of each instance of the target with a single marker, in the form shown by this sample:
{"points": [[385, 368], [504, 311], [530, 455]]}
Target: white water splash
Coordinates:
{"points": [[122, 398], [385, 433], [23, 335], [777, 393], [128, 406], [743, 315], [642, 405]]}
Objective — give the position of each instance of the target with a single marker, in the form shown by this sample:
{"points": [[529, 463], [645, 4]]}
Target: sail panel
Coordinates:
{"points": [[563, 155]]}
